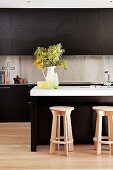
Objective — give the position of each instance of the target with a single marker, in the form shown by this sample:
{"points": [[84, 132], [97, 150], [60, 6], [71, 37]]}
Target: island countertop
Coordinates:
{"points": [[74, 91], [83, 117]]}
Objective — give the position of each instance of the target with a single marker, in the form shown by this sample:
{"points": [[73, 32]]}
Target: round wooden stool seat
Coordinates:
{"points": [[99, 139], [65, 112], [104, 108], [62, 108]]}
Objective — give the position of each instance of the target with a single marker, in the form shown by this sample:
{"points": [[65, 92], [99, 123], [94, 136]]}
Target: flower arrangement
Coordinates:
{"points": [[51, 56]]}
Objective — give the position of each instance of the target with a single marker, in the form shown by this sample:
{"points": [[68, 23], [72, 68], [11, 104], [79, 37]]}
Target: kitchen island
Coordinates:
{"points": [[83, 117]]}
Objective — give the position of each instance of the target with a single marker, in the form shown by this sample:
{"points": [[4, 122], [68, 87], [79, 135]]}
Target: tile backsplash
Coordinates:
{"points": [[81, 68]]}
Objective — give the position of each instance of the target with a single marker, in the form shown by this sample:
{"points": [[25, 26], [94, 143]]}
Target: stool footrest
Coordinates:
{"points": [[60, 137], [103, 142], [61, 142], [106, 142], [103, 137]]}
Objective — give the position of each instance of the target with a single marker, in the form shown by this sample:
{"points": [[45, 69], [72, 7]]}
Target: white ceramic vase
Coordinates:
{"points": [[51, 77]]}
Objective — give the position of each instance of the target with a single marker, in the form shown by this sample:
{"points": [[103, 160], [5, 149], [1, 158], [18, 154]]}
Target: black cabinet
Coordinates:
{"points": [[106, 31], [15, 103], [22, 31], [6, 103], [80, 31], [21, 103], [5, 32], [56, 26], [87, 31]]}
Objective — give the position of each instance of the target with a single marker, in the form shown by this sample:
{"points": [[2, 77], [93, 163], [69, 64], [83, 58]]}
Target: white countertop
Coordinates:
{"points": [[73, 91]]}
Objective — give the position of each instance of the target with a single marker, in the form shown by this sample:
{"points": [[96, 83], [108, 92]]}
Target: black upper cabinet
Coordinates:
{"points": [[80, 31], [5, 32], [87, 31], [106, 31], [56, 26], [22, 31]]}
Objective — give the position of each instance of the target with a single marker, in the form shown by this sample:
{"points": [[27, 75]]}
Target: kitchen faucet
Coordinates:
{"points": [[107, 78]]}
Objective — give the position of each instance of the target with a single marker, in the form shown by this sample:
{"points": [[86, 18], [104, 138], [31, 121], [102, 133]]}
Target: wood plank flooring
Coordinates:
{"points": [[15, 153]]}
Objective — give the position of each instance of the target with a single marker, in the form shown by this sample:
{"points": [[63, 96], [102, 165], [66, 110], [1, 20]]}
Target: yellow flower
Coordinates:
{"points": [[38, 60], [49, 57], [40, 66]]}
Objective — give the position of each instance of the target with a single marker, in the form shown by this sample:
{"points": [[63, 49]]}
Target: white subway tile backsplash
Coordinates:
{"points": [[88, 68]]}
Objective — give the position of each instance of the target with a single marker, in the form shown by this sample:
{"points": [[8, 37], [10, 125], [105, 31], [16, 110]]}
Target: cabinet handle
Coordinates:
{"points": [[29, 102], [4, 87]]}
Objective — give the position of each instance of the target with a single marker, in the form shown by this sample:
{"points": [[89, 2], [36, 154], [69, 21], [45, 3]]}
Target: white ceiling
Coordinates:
{"points": [[56, 4]]}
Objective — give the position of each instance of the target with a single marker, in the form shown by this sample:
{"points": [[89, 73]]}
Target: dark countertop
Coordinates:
{"points": [[12, 84], [80, 83], [64, 84]]}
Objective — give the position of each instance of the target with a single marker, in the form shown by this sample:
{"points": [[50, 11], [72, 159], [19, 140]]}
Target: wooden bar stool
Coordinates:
{"points": [[99, 139], [65, 112]]}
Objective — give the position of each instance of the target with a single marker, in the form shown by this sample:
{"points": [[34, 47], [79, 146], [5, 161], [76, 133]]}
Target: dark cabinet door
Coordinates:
{"points": [[22, 31], [5, 32], [83, 124], [87, 31], [21, 103], [15, 103], [106, 31], [6, 103], [54, 26]]}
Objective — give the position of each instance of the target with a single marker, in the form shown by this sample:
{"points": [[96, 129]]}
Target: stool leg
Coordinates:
{"points": [[58, 131], [99, 134], [70, 135], [109, 135], [65, 135], [53, 135], [95, 142]]}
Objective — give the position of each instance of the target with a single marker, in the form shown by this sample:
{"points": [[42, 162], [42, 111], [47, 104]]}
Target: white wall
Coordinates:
{"points": [[56, 4]]}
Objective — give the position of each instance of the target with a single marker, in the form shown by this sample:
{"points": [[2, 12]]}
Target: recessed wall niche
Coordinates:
{"points": [[81, 68]]}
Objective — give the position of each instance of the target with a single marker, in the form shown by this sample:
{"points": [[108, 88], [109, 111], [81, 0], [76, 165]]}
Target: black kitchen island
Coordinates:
{"points": [[83, 117]]}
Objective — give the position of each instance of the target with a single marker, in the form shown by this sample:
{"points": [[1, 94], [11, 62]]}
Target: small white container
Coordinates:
{"points": [[55, 81]]}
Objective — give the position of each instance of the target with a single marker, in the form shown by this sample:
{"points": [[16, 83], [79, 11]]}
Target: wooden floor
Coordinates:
{"points": [[15, 153]]}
